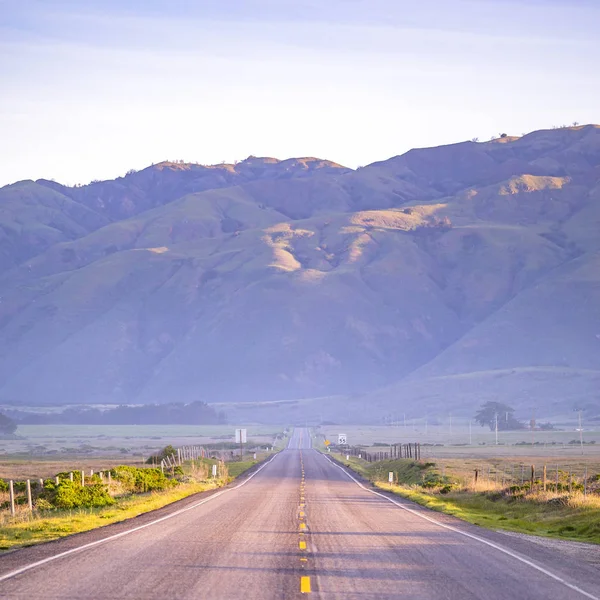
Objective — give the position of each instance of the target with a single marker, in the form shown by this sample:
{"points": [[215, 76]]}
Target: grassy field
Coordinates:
{"points": [[452, 451], [42, 450], [455, 440]]}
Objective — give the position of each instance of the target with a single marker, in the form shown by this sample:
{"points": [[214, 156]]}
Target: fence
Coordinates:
{"points": [[554, 478], [184, 453], [23, 492], [410, 450]]}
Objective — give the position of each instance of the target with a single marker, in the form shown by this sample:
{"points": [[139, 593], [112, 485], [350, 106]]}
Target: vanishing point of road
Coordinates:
{"points": [[298, 526]]}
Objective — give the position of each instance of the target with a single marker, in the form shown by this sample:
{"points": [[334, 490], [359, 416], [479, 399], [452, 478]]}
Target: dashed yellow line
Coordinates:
{"points": [[305, 587]]}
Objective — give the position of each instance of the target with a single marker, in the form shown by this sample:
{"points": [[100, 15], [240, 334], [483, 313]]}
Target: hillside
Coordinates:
{"points": [[429, 280]]}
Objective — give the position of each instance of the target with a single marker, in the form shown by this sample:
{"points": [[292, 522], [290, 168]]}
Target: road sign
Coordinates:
{"points": [[240, 436], [214, 470], [342, 439], [327, 442], [391, 477]]}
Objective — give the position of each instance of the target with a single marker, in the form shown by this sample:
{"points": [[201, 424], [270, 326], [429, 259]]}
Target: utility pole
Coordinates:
{"points": [[580, 431], [496, 423]]}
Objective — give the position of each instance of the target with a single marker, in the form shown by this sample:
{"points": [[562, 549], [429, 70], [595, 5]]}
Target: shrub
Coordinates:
{"points": [[43, 504], [69, 494], [142, 480], [166, 451]]}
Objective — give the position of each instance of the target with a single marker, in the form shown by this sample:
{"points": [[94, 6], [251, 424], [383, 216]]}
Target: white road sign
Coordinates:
{"points": [[240, 436], [342, 439]]}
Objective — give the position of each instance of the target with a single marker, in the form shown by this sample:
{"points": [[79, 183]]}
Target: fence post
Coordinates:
{"points": [[29, 499], [532, 476], [585, 482], [41, 483], [82, 478], [57, 480], [71, 476], [570, 481], [544, 477], [476, 475], [11, 490]]}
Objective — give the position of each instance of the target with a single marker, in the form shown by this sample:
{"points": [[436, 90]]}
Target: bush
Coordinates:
{"points": [[166, 451], [43, 504], [141, 480], [69, 494]]}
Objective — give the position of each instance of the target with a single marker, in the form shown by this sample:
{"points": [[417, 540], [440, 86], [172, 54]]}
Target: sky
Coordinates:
{"points": [[91, 89]]}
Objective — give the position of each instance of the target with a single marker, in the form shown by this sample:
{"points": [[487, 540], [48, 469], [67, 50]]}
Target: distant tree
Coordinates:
{"points": [[475, 139], [7, 425], [490, 411], [503, 135], [131, 172], [575, 123]]}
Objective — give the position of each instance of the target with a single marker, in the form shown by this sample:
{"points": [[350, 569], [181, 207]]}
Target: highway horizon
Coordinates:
{"points": [[299, 524]]}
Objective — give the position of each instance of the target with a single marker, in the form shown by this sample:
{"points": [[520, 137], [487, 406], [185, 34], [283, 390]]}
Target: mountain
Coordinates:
{"points": [[422, 283]]}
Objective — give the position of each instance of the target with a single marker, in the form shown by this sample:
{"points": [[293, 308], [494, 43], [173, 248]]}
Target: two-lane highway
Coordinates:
{"points": [[300, 524]]}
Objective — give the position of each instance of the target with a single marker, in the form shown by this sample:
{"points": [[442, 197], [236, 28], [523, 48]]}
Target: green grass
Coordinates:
{"points": [[28, 529], [237, 468], [532, 516]]}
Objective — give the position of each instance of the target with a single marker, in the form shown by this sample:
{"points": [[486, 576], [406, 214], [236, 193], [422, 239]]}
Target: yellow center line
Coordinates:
{"points": [[305, 585], [302, 525], [302, 545]]}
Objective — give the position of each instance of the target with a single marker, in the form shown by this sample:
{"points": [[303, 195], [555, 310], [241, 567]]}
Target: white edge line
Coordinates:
{"points": [[129, 531], [464, 533]]}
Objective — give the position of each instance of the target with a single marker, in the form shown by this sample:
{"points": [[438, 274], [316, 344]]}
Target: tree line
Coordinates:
{"points": [[194, 413]]}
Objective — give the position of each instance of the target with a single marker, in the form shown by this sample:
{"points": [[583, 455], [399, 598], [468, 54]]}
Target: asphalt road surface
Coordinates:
{"points": [[299, 525]]}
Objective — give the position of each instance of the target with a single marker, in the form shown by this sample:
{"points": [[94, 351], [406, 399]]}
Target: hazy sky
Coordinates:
{"points": [[93, 88]]}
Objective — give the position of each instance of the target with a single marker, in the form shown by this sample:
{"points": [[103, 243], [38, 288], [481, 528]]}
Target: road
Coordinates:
{"points": [[298, 525]]}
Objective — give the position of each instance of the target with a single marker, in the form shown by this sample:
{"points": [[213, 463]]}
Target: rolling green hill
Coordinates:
{"points": [[434, 279]]}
